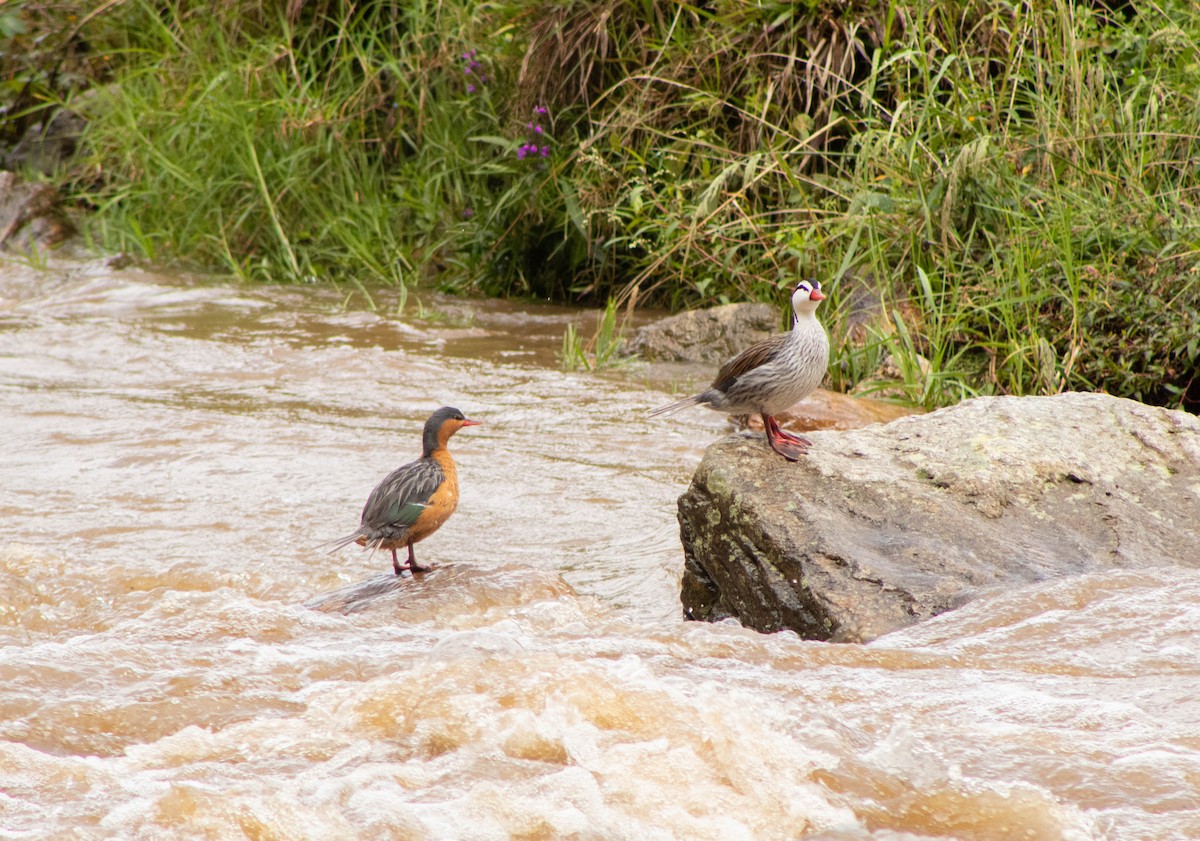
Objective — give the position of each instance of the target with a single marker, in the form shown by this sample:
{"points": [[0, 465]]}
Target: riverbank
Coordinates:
{"points": [[1002, 199]]}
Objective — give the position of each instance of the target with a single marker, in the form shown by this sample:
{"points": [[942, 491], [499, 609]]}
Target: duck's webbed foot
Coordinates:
{"points": [[412, 562], [396, 563], [786, 444]]}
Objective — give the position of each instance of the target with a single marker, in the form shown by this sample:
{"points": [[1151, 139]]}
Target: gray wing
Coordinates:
{"points": [[752, 357], [400, 498]]}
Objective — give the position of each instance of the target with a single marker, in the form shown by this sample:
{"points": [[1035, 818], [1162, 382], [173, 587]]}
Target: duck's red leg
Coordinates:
{"points": [[786, 444], [787, 436], [412, 561], [396, 562]]}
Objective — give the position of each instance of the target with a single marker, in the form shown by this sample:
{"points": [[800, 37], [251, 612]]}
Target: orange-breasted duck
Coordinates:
{"points": [[415, 499], [772, 375]]}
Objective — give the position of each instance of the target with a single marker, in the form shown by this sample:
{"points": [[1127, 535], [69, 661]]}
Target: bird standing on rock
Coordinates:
{"points": [[772, 375], [414, 500]]}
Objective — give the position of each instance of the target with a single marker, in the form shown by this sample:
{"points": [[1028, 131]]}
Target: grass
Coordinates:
{"points": [[602, 351], [1013, 184], [228, 156]]}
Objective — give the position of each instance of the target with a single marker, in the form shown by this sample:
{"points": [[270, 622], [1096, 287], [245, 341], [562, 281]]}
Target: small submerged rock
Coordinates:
{"points": [[449, 586], [882, 527]]}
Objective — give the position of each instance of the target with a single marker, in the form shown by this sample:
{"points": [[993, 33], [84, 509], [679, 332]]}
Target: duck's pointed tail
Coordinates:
{"points": [[674, 407], [340, 542]]}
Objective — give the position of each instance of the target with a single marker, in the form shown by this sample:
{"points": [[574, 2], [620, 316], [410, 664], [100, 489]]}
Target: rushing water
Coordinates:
{"points": [[172, 454]]}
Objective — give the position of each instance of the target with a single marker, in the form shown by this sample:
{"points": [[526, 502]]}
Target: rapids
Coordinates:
{"points": [[173, 451]]}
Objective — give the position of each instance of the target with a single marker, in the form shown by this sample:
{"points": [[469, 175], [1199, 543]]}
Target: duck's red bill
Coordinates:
{"points": [[472, 423]]}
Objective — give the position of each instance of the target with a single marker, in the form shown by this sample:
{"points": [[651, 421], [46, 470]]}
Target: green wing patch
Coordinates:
{"points": [[405, 514]]}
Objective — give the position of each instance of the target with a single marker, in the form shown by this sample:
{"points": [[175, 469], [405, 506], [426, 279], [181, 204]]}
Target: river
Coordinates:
{"points": [[175, 449]]}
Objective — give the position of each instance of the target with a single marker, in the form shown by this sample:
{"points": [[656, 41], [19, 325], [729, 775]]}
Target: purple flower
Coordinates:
{"points": [[540, 148], [473, 68]]}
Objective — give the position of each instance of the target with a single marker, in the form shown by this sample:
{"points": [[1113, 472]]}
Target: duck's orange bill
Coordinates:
{"points": [[816, 295], [472, 423]]}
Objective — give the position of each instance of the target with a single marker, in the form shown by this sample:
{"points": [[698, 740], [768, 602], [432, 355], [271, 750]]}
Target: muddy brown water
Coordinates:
{"points": [[174, 450]]}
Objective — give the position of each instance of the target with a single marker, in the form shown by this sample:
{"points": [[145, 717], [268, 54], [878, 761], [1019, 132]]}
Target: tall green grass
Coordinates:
{"points": [[602, 351], [1014, 182], [228, 150]]}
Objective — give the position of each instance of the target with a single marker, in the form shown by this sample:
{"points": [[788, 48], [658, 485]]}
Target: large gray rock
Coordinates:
{"points": [[710, 335], [881, 527]]}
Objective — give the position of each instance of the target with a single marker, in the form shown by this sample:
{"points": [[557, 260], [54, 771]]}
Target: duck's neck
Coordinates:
{"points": [[803, 318], [431, 442]]}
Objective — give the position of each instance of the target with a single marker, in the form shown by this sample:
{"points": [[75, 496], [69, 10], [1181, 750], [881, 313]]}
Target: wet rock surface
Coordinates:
{"points": [[710, 335], [471, 586], [882, 527]]}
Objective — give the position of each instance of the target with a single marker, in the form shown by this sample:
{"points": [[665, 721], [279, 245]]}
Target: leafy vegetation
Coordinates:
{"points": [[603, 350], [1011, 185]]}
